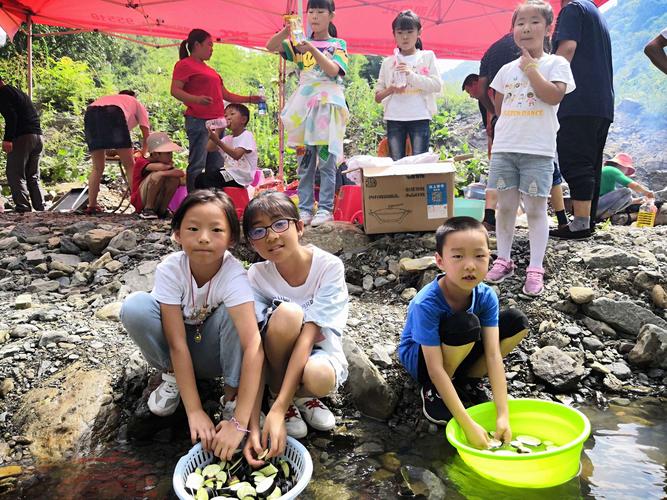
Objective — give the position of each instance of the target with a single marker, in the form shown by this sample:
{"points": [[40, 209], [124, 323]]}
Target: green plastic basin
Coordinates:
{"points": [[566, 427], [471, 208]]}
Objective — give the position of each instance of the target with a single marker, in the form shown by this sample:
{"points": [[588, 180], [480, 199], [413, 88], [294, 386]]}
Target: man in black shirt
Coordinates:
{"points": [[23, 144]]}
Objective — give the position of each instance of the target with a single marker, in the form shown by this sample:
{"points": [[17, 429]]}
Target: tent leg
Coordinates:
{"points": [[281, 128], [30, 56]]}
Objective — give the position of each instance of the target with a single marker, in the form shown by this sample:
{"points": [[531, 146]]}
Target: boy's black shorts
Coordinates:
{"points": [[463, 328]]}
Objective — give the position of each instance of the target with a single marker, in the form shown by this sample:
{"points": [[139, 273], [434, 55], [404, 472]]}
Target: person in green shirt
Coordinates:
{"points": [[617, 172]]}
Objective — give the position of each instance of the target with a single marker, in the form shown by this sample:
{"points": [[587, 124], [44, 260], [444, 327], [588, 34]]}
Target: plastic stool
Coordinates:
{"points": [[348, 206], [240, 199], [176, 200]]}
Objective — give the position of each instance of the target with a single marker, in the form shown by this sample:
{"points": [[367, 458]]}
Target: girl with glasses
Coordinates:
{"points": [[302, 302]]}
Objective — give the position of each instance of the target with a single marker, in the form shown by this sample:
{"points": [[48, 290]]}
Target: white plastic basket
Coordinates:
{"points": [[295, 453]]}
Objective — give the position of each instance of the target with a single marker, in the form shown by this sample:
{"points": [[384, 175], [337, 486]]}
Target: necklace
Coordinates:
{"points": [[199, 313]]}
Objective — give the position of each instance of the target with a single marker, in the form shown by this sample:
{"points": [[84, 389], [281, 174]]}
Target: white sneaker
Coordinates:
{"points": [[228, 408], [306, 218], [321, 217], [316, 414], [294, 424], [165, 399]]}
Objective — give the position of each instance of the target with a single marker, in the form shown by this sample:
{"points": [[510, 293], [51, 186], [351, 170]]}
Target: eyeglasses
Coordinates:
{"points": [[278, 226]]}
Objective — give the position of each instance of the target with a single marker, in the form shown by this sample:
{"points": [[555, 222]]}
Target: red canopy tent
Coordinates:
{"points": [[453, 29]]}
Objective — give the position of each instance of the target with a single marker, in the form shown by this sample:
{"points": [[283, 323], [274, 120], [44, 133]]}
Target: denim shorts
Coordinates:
{"points": [[530, 174]]}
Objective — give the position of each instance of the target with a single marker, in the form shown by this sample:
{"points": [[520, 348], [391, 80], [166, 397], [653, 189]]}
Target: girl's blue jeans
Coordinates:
{"points": [[306, 171], [419, 132]]}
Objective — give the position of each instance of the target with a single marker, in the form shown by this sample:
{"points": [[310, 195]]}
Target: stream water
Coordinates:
{"points": [[625, 457]]}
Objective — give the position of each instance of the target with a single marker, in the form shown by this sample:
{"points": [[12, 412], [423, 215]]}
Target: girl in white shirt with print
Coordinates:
{"points": [[407, 87], [528, 92], [199, 322], [301, 297]]}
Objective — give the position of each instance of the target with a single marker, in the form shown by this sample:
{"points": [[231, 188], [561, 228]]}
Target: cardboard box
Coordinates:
{"points": [[407, 198]]}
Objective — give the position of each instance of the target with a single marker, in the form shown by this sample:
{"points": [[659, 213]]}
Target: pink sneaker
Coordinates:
{"points": [[534, 284], [500, 270]]}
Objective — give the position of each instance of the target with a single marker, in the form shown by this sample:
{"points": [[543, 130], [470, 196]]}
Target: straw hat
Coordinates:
{"points": [[159, 142], [623, 162]]}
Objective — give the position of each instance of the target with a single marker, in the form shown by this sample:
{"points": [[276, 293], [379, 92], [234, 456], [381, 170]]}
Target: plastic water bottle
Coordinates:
{"points": [[261, 106], [216, 123], [400, 79], [646, 215]]}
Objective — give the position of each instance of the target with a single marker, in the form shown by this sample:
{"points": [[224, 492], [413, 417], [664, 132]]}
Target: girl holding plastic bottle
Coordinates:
{"points": [[407, 87]]}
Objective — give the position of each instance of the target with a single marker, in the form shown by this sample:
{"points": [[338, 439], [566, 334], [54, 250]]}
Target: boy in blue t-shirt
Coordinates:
{"points": [[454, 333]]}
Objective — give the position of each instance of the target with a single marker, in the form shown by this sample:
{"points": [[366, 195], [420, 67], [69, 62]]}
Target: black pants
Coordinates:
{"points": [[213, 177], [581, 141], [23, 172], [463, 328]]}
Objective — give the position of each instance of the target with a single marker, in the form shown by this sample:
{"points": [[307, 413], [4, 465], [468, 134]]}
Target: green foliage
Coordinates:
{"points": [[64, 85]]}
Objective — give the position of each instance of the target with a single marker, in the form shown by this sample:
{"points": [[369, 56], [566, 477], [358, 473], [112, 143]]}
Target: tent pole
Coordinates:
{"points": [[281, 128], [29, 56]]}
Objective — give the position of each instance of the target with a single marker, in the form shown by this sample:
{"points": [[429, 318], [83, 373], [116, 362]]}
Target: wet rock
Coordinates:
{"points": [[369, 448], [659, 297], [70, 414], [96, 240], [556, 368], [421, 483], [620, 370], [581, 295], [23, 301], [415, 265], [624, 316], [124, 241], [326, 489], [335, 237], [651, 348], [110, 312], [612, 383], [371, 393], [390, 461]]}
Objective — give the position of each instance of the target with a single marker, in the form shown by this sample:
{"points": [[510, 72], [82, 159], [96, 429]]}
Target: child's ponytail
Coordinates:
{"points": [[419, 45], [333, 32]]}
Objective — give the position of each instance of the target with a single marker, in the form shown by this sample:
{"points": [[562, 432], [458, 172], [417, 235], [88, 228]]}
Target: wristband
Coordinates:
{"points": [[528, 66], [239, 427]]}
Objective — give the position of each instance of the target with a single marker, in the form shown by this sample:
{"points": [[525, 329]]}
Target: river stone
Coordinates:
{"points": [[34, 257], [427, 277], [336, 237], [556, 368], [110, 312], [6, 386], [58, 266], [646, 280], [101, 262], [623, 316], [124, 241], [659, 297], [79, 227], [415, 265], [69, 246], [380, 356], [422, 483], [553, 339], [70, 414], [367, 282], [9, 243], [592, 344], [327, 489], [581, 294], [354, 289], [64, 258], [620, 370], [408, 294], [10, 471], [23, 301], [599, 328], [138, 279], [390, 461], [98, 239], [604, 256], [651, 348], [40, 286], [370, 392]]}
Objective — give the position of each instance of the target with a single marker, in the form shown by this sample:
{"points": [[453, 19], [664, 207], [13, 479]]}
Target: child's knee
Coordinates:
{"points": [[287, 319], [459, 329], [134, 308], [512, 322], [319, 378]]}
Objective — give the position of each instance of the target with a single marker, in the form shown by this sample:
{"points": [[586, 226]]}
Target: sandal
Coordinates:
{"points": [[94, 210]]}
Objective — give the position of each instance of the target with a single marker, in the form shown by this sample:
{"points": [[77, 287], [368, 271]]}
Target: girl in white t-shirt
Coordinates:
{"points": [[301, 298], [199, 322], [407, 87], [528, 92]]}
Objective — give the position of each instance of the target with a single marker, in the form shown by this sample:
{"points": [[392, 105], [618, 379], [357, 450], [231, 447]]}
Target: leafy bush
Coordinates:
{"points": [[64, 85]]}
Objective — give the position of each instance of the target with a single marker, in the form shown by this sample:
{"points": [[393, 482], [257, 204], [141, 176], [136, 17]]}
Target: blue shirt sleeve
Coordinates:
{"points": [[424, 321], [488, 308], [570, 24]]}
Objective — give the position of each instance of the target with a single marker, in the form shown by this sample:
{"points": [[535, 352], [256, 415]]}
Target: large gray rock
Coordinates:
{"points": [[97, 240], [64, 258], [623, 316], [370, 392], [651, 348], [124, 241], [556, 368], [603, 256], [139, 279], [335, 237]]}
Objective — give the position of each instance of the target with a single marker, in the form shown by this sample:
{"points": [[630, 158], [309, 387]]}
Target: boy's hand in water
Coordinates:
{"points": [[477, 436], [201, 428], [526, 60], [503, 431], [274, 430]]}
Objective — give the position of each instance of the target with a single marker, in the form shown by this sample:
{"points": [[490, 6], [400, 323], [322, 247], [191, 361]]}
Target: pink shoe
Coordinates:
{"points": [[534, 284], [501, 269]]}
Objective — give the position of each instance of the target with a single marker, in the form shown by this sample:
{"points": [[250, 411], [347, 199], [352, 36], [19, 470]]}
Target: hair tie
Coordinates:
{"points": [[238, 425]]}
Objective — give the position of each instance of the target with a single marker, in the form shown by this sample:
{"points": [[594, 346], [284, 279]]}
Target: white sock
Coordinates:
{"points": [[538, 228], [508, 203]]}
